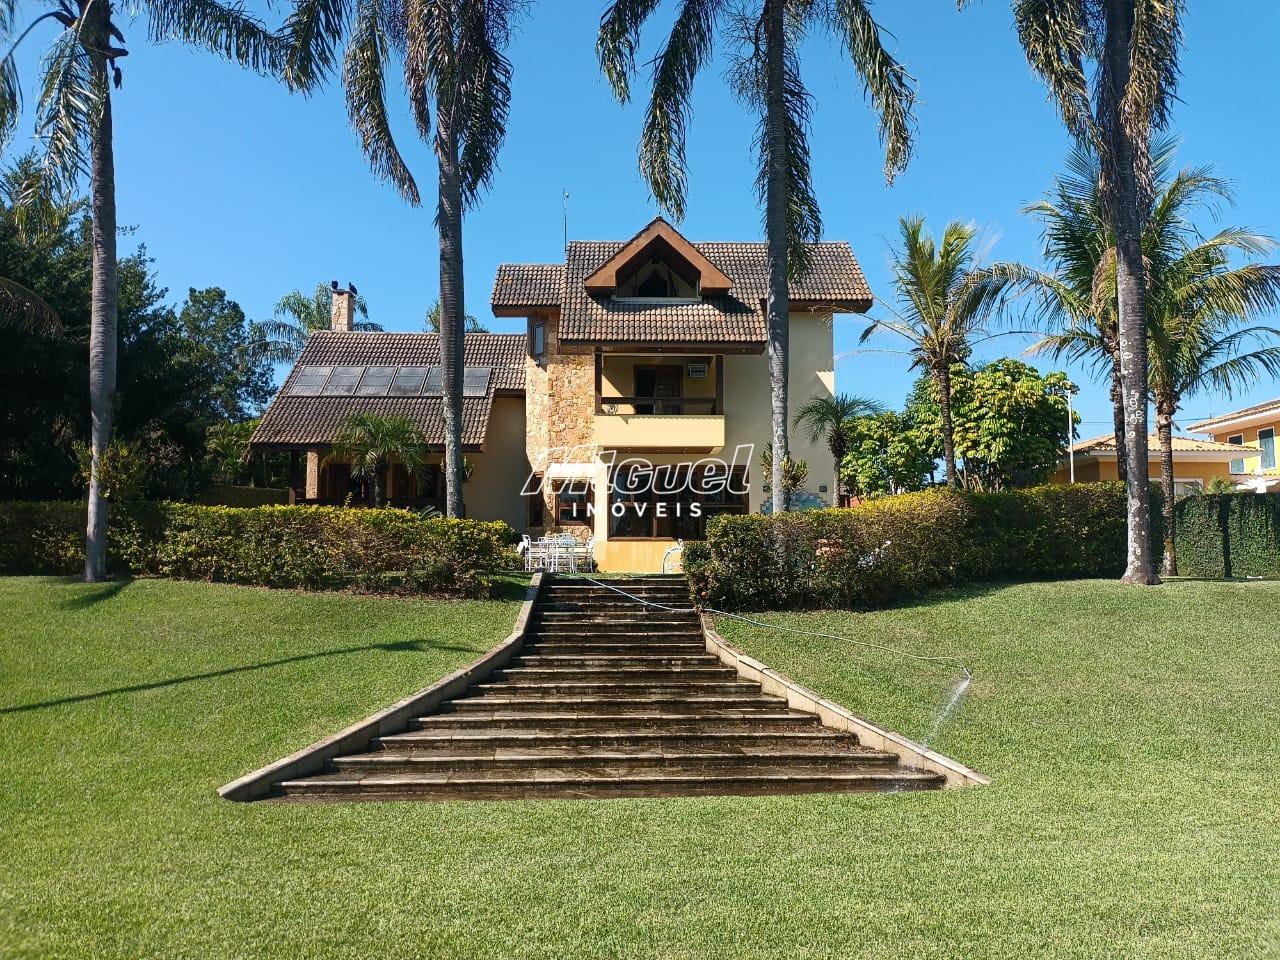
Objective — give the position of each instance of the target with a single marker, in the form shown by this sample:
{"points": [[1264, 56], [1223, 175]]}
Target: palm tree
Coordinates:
{"points": [[945, 303], [297, 316], [74, 121], [370, 442], [766, 77], [454, 61], [1200, 335], [827, 419], [1200, 309], [1130, 50], [1076, 305], [431, 322]]}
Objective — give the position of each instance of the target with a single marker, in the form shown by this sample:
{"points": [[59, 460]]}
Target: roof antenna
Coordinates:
{"points": [[565, 212]]}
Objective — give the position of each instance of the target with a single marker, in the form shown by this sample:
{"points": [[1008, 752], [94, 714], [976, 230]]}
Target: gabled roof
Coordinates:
{"points": [[835, 283], [314, 421], [1213, 424], [661, 235]]}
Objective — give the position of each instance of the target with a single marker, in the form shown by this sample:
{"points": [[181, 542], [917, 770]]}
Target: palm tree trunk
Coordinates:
{"points": [[838, 451], [449, 223], [778, 304], [1117, 420], [378, 485], [1122, 207], [948, 428], [1164, 427], [102, 317]]}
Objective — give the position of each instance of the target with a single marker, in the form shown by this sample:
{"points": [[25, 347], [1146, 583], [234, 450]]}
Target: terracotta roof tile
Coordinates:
{"points": [[527, 285], [835, 282], [1271, 406], [1107, 444]]}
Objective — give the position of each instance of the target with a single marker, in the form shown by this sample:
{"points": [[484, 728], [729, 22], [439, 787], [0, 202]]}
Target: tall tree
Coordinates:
{"points": [[765, 73], [945, 301], [1129, 48], [453, 55], [1201, 310], [298, 315], [74, 120], [828, 420]]}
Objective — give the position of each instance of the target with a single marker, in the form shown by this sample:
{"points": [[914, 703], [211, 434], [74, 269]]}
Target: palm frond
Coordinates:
{"points": [[309, 38], [363, 80], [617, 42], [22, 307], [227, 30], [1054, 38], [72, 97], [666, 122], [886, 82], [485, 94]]}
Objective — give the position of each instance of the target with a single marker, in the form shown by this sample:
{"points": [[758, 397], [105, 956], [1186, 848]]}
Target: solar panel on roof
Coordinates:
{"points": [[435, 383], [475, 381], [310, 381], [376, 381], [342, 382], [408, 382]]}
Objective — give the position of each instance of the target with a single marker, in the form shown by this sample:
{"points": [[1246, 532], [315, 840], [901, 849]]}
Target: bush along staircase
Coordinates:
{"points": [[611, 697]]}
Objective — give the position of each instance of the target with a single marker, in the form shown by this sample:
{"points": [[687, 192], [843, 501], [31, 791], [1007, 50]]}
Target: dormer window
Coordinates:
{"points": [[658, 264], [655, 285]]}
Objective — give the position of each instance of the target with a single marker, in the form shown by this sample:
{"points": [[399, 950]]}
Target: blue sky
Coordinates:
{"points": [[232, 182]]}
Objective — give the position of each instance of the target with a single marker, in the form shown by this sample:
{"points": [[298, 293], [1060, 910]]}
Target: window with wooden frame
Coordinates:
{"points": [[572, 505]]}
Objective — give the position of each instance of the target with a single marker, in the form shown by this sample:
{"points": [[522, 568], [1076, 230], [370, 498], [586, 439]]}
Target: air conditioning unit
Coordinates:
{"points": [[698, 371]]}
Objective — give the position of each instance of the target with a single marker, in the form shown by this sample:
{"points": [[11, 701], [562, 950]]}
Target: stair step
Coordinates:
{"points": [[616, 631], [553, 782], [636, 723], [502, 761], [579, 661], [655, 671], [709, 706], [617, 737], [609, 689]]}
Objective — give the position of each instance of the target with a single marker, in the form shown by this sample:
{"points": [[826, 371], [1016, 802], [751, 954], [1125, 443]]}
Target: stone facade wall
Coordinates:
{"points": [[560, 399]]}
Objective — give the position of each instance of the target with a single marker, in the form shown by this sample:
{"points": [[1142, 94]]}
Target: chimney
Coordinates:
{"points": [[342, 316]]}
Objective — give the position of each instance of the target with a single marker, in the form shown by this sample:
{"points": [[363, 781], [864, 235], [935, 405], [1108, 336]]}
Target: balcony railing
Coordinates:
{"points": [[657, 406]]}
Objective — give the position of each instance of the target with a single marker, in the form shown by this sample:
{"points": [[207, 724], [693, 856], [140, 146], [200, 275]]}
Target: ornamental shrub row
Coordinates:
{"points": [[313, 548], [895, 549], [1228, 535]]}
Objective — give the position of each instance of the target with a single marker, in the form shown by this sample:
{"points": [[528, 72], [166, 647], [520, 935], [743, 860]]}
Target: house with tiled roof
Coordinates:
{"points": [[1195, 462], [648, 351], [1253, 427]]}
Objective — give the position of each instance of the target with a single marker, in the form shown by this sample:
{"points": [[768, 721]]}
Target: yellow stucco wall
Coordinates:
{"points": [[748, 414], [1096, 471], [1250, 435], [501, 470]]}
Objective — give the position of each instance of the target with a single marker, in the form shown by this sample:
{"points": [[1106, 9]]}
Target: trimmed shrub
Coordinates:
{"points": [[891, 550], [313, 548], [1228, 535]]}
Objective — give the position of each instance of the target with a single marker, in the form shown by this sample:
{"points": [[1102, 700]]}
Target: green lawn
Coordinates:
{"points": [[1133, 736]]}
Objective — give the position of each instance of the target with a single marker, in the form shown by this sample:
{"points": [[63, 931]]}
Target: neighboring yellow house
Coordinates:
{"points": [[1255, 427], [645, 351], [1195, 462]]}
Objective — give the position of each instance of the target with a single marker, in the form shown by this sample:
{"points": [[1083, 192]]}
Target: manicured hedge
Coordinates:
{"points": [[314, 548], [1228, 535], [891, 550]]}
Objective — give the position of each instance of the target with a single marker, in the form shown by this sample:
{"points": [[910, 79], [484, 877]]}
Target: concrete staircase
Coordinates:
{"points": [[611, 698]]}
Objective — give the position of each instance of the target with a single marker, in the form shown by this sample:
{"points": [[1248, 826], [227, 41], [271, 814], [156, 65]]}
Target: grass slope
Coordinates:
{"points": [[1132, 734]]}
